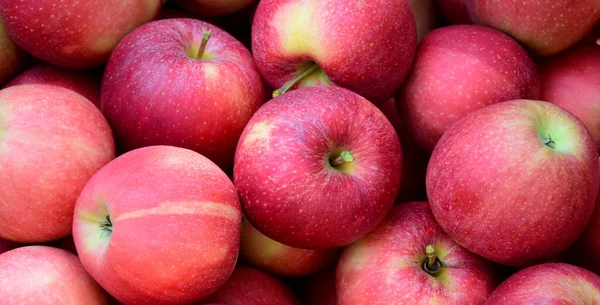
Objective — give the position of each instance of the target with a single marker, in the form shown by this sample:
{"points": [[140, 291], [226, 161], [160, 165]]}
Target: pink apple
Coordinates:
{"points": [[426, 16], [52, 140], [40, 275], [86, 83], [317, 167], [12, 58], [459, 69], [514, 182], [6, 245], [160, 88], [158, 225], [546, 28], [571, 80], [74, 34], [455, 11], [214, 8], [408, 259], [280, 259], [552, 283], [249, 286], [319, 288], [364, 46]]}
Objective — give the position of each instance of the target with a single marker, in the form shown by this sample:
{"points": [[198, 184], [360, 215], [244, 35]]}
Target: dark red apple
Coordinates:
{"points": [[6, 245], [455, 11], [212, 8], [319, 288]]}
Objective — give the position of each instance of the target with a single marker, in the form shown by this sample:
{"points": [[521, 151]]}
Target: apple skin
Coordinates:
{"points": [[214, 8], [290, 191], [571, 81], [175, 226], [551, 283], [364, 46], [48, 155], [74, 34], [455, 11], [40, 275], [6, 245], [459, 69], [86, 83], [250, 286], [545, 29], [386, 266], [153, 93], [499, 191], [12, 58]]}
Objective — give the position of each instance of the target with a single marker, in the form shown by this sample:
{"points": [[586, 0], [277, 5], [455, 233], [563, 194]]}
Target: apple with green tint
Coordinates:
{"points": [[213, 8], [364, 46], [158, 225], [12, 58], [514, 182]]}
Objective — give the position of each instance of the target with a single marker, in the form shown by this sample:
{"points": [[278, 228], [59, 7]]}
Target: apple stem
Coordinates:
{"points": [[344, 157], [548, 142], [430, 250], [289, 84], [205, 37]]}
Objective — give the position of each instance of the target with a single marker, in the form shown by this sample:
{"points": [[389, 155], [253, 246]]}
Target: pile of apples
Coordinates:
{"points": [[286, 152]]}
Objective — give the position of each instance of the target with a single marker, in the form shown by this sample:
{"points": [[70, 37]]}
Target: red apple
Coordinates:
{"points": [[6, 245], [86, 83], [546, 28], [158, 225], [459, 69], [52, 140], [514, 182], [280, 259], [408, 259], [364, 46], [40, 275], [160, 88], [455, 11], [571, 80], [426, 16], [317, 167], [552, 283], [74, 34], [249, 286], [212, 8], [12, 58], [319, 288]]}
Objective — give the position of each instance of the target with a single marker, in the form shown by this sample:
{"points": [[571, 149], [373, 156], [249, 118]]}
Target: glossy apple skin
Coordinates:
{"points": [[455, 11], [571, 81], [48, 155], [459, 69], [500, 192], [74, 34], [40, 275], [364, 46], [213, 8], [288, 188], [12, 58], [385, 267], [551, 283], [86, 83], [153, 93], [546, 29], [176, 226], [250, 286]]}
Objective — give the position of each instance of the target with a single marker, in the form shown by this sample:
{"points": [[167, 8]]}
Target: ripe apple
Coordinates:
{"points": [[571, 80], [364, 46], [547, 28], [213, 8], [158, 225], [426, 16], [40, 275], [459, 69], [52, 140], [194, 86], [86, 83], [514, 182], [249, 286], [552, 283], [408, 259], [319, 288], [279, 259], [455, 11], [317, 167], [74, 34], [12, 58]]}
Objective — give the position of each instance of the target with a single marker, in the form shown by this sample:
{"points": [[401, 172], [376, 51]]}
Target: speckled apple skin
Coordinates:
{"points": [[459, 69], [288, 189], [364, 46], [153, 93], [52, 140], [571, 80], [497, 190], [176, 226], [385, 268], [548, 284], [41, 275], [547, 27]]}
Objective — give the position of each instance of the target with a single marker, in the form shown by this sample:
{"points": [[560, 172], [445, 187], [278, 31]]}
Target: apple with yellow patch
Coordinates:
{"points": [[181, 82], [158, 225], [364, 46]]}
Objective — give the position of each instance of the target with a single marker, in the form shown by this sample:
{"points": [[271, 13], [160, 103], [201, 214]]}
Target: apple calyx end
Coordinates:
{"points": [[289, 84], [106, 226], [344, 157], [205, 37], [549, 142]]}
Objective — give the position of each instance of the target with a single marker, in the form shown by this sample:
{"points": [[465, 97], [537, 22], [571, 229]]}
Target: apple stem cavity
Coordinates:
{"points": [[344, 157], [433, 264], [205, 37], [106, 226], [289, 84], [549, 142]]}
